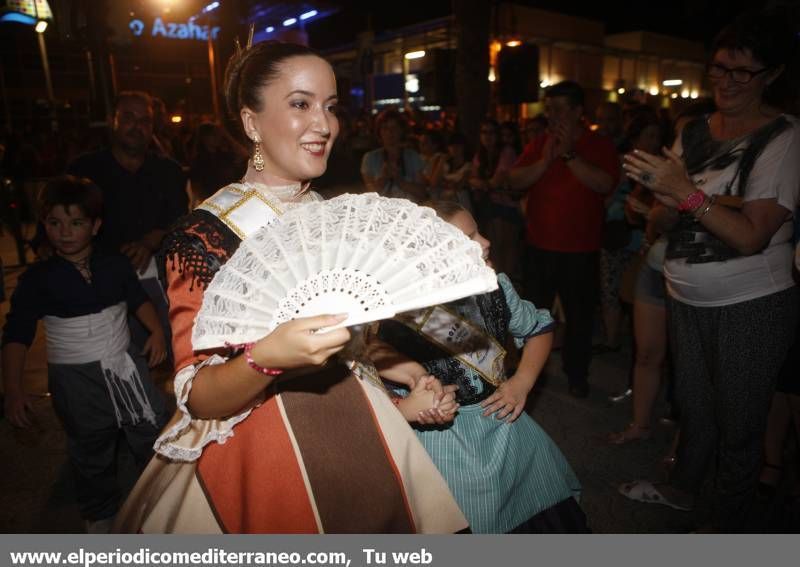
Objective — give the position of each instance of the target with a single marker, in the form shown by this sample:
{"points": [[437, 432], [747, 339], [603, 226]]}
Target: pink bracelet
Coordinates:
{"points": [[248, 357]]}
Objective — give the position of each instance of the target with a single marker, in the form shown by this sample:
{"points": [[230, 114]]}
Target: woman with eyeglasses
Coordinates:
{"points": [[732, 182]]}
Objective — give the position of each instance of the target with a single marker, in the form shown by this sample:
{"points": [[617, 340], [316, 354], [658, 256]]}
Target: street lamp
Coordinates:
{"points": [[41, 26]]}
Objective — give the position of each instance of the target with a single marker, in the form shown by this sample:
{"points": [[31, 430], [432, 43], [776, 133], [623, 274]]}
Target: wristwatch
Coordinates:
{"points": [[568, 156]]}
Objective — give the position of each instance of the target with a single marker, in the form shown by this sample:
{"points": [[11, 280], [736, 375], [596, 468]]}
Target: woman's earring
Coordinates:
{"points": [[258, 159]]}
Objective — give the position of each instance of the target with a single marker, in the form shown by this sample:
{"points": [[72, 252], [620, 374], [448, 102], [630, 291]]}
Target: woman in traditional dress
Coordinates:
{"points": [[269, 439], [505, 472]]}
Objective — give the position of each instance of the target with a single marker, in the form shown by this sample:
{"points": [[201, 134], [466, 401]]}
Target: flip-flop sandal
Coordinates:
{"points": [[645, 491]]}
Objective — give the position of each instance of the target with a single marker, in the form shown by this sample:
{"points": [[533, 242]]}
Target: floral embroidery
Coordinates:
{"points": [[196, 246]]}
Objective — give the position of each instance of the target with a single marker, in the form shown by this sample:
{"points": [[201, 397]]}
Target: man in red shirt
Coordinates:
{"points": [[568, 171]]}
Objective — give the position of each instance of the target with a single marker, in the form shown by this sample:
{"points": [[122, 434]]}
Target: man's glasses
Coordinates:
{"points": [[133, 118], [739, 75]]}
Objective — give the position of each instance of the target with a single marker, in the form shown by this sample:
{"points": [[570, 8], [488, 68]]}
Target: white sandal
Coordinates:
{"points": [[645, 491]]}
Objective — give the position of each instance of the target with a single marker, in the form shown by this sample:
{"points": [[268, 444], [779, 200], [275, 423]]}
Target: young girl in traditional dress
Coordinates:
{"points": [[269, 439], [505, 472]]}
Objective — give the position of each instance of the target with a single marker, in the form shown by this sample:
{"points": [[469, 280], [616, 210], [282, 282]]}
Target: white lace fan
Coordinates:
{"points": [[365, 255]]}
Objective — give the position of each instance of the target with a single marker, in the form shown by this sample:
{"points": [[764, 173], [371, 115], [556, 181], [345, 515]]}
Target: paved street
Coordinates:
{"points": [[37, 496]]}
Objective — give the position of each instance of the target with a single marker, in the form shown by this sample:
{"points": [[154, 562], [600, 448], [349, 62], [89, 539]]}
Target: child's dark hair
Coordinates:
{"points": [[445, 209], [67, 191]]}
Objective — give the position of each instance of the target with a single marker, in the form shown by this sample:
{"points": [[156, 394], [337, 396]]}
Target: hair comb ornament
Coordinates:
{"points": [[250, 34], [365, 255], [237, 45]]}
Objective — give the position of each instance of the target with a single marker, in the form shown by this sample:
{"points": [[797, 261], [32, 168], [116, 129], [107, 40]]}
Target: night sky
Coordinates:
{"points": [[693, 19]]}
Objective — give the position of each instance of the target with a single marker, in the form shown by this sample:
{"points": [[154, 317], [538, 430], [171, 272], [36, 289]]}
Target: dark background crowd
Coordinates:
{"points": [[586, 256]]}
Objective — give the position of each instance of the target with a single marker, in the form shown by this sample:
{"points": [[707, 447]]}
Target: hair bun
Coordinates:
{"points": [[251, 69]]}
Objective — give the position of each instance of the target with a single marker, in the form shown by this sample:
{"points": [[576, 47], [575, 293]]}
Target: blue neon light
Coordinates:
{"points": [[289, 22], [309, 14], [17, 18], [137, 27], [270, 29], [211, 7]]}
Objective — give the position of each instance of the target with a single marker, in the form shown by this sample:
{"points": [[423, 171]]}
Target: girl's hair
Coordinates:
{"points": [[445, 209], [516, 143], [255, 67], [487, 162], [68, 191]]}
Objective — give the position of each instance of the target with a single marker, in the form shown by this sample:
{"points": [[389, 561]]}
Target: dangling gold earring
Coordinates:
{"points": [[258, 159]]}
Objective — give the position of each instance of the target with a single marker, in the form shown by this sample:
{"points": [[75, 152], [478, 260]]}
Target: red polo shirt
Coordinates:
{"points": [[563, 214]]}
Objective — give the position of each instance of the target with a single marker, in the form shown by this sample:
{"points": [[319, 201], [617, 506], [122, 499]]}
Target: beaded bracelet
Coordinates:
{"points": [[248, 357]]}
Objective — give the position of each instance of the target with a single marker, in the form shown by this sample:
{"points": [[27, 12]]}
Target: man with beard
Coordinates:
{"points": [[143, 194]]}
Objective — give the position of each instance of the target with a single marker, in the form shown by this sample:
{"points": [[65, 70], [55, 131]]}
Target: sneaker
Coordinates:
{"points": [[618, 397]]}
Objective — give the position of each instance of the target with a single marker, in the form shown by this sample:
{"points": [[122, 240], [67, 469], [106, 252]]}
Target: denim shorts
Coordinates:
{"points": [[650, 286]]}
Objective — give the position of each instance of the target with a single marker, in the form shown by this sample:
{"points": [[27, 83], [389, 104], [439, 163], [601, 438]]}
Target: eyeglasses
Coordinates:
{"points": [[125, 117], [739, 75]]}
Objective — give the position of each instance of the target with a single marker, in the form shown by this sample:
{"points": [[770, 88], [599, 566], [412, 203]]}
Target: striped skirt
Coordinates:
{"points": [[325, 454], [501, 474]]}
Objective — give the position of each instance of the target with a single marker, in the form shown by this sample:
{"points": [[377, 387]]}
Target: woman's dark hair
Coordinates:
{"points": [[388, 115], [253, 68], [637, 124], [512, 127], [69, 191], [773, 40], [487, 161]]}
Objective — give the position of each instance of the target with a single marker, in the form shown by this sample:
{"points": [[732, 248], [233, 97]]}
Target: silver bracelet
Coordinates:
{"points": [[710, 204]]}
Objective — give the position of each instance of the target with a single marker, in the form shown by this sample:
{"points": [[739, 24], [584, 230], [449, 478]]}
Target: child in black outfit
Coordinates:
{"points": [[99, 384]]}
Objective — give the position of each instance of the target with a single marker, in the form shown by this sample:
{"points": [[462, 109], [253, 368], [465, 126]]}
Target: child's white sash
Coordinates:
{"points": [[102, 337], [466, 342]]}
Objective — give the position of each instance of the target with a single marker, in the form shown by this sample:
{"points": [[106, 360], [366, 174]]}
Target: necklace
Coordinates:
{"points": [[286, 193], [83, 268]]}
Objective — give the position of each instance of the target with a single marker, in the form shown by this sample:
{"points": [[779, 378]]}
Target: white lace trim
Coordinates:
{"points": [[218, 430]]}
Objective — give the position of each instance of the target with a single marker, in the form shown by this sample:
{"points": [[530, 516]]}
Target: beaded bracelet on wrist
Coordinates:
{"points": [[247, 349]]}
